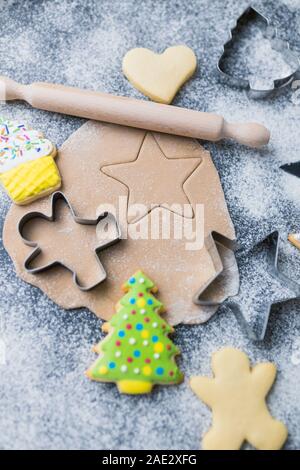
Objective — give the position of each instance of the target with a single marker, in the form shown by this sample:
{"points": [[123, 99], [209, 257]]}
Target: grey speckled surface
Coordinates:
{"points": [[45, 400]]}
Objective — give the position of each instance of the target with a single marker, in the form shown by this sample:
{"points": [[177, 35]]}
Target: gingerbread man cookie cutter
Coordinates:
{"points": [[277, 44], [82, 221]]}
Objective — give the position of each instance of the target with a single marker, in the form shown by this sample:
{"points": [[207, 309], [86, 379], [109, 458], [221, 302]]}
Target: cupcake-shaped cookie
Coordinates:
{"points": [[27, 167]]}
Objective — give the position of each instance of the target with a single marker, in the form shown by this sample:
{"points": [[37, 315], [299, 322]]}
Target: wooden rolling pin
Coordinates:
{"points": [[134, 113]]}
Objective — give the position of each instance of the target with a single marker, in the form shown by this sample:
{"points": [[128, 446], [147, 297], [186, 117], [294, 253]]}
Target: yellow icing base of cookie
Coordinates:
{"points": [[130, 387], [134, 387], [31, 180]]}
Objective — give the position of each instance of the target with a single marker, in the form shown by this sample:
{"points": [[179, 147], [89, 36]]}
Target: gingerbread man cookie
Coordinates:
{"points": [[236, 396]]}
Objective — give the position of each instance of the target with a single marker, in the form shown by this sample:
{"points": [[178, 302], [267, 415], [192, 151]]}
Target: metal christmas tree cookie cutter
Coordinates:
{"points": [[103, 244], [277, 44]]}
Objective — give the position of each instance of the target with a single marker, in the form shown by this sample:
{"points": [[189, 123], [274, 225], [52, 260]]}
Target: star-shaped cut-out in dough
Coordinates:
{"points": [[155, 180]]}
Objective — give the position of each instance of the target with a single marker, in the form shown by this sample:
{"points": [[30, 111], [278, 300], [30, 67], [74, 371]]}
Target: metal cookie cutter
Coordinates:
{"points": [[270, 286], [265, 294], [212, 293], [277, 44], [37, 250]]}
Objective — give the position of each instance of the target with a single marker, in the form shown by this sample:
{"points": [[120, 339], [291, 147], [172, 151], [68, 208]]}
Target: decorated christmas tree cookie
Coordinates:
{"points": [[27, 167], [137, 353]]}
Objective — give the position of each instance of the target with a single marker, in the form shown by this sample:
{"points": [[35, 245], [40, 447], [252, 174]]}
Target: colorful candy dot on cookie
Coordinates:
{"points": [[147, 370], [141, 302], [158, 347], [159, 76], [236, 394], [27, 167], [129, 362]]}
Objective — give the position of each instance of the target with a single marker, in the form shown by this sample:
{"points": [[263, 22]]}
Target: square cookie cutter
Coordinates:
{"points": [[51, 218], [277, 44]]}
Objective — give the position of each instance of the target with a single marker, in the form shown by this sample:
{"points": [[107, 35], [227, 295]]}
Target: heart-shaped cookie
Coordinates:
{"points": [[159, 76]]}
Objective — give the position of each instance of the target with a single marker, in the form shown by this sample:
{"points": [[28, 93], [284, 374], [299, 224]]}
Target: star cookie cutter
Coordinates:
{"points": [[277, 44], [257, 329], [51, 218]]}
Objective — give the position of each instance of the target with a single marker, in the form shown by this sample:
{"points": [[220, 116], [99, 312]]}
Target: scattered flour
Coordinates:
{"points": [[292, 4], [295, 357], [45, 400]]}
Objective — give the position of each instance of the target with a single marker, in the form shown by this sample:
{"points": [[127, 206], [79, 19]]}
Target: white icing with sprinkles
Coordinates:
{"points": [[19, 144]]}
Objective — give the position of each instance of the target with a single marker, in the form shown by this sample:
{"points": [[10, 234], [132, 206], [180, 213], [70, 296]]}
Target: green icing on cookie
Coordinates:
{"points": [[137, 353]]}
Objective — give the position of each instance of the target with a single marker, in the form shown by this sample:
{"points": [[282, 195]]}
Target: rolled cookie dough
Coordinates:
{"points": [[181, 274]]}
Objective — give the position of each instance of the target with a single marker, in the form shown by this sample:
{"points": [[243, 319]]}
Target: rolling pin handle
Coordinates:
{"points": [[251, 133]]}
